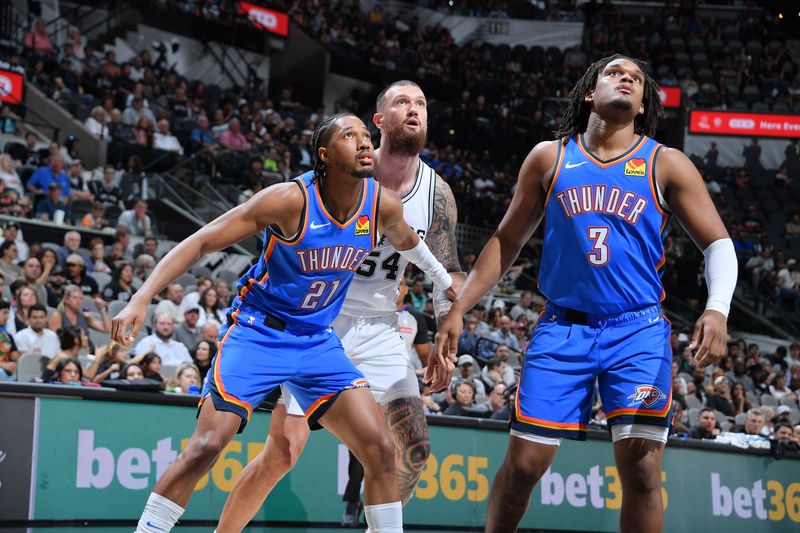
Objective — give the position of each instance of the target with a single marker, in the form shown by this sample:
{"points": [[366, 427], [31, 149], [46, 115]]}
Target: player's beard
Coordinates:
{"points": [[405, 142], [621, 104]]}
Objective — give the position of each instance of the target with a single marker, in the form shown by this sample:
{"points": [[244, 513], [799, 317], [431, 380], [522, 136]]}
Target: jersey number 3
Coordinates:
{"points": [[315, 292], [598, 256]]}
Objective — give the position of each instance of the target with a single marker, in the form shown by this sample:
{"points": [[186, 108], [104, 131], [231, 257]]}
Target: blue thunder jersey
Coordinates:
{"points": [[603, 247], [303, 280]]}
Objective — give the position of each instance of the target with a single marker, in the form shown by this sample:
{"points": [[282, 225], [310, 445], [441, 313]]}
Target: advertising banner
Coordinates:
{"points": [[16, 443], [266, 19], [103, 459], [670, 96], [12, 86], [744, 124]]}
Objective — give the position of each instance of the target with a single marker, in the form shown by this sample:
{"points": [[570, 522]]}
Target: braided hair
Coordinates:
{"points": [[320, 139], [576, 116]]}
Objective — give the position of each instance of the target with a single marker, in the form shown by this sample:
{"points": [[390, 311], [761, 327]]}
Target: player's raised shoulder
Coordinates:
{"points": [[540, 161]]}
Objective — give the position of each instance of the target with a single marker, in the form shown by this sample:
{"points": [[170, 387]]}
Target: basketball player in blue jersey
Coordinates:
{"points": [[318, 229], [367, 323], [605, 190]]}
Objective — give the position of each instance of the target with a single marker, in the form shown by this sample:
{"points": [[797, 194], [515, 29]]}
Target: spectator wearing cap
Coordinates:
{"points": [[121, 287], [467, 370], [783, 414], [12, 232], [136, 220], [721, 399], [162, 342], [36, 337], [524, 307], [41, 180], [76, 275], [8, 261], [232, 138], [787, 284], [164, 140], [48, 208], [706, 426], [173, 304], [187, 333], [56, 282], [77, 185]]}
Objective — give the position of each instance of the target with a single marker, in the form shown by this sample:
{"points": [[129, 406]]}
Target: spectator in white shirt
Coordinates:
{"points": [[164, 140], [36, 337], [96, 124], [787, 283], [172, 352], [136, 220]]}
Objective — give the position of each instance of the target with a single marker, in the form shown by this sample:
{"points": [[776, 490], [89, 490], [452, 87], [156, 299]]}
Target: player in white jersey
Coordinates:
{"points": [[367, 324]]}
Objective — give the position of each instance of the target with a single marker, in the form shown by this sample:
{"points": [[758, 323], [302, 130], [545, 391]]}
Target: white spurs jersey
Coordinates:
{"points": [[374, 291]]}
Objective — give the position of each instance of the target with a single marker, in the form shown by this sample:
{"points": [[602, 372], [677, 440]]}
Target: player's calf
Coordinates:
{"points": [[409, 429]]}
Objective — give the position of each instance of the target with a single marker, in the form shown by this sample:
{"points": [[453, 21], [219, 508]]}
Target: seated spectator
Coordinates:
{"points": [[8, 260], [120, 132], [8, 123], [143, 266], [151, 367], [77, 185], [782, 414], [105, 191], [32, 275], [211, 308], [793, 227], [77, 275], [202, 356], [143, 132], [71, 341], [136, 220], [232, 137], [780, 389], [739, 375], [120, 288], [187, 332], [209, 332], [41, 180], [203, 283], [783, 431], [185, 380], [466, 370], [131, 372], [70, 312], [721, 399], [161, 342], [429, 405], [496, 401], [463, 394], [8, 348], [166, 141], [754, 425], [524, 307], [97, 250], [416, 296], [8, 174], [72, 245], [706, 426], [137, 111], [172, 304], [201, 136], [787, 285], [56, 282], [503, 335], [67, 372], [96, 124], [54, 208], [107, 364], [36, 337], [12, 233], [24, 299], [37, 40], [497, 371]]}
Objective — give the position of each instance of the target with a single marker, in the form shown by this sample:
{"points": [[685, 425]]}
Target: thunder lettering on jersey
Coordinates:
{"points": [[603, 247], [303, 280]]}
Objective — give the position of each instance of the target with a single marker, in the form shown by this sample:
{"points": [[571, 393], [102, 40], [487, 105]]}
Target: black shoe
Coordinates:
{"points": [[352, 514]]}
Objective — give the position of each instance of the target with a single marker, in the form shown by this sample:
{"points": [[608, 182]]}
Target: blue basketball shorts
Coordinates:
{"points": [[256, 354], [628, 354]]}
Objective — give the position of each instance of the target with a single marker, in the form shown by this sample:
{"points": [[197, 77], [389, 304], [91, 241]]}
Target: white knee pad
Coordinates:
{"points": [[639, 431], [547, 441]]}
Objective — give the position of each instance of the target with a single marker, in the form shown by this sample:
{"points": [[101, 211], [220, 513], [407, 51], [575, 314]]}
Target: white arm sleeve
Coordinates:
{"points": [[424, 259], [722, 269]]}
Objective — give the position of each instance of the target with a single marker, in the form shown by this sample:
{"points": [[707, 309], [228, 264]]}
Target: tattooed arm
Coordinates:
{"points": [[441, 240]]}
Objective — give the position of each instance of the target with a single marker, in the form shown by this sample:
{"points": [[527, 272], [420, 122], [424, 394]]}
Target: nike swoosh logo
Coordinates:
{"points": [[653, 320], [317, 226], [150, 524], [573, 165]]}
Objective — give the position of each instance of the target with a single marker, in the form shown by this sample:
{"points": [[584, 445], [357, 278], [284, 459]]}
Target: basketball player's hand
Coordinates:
{"points": [[131, 316], [709, 338], [441, 367]]}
